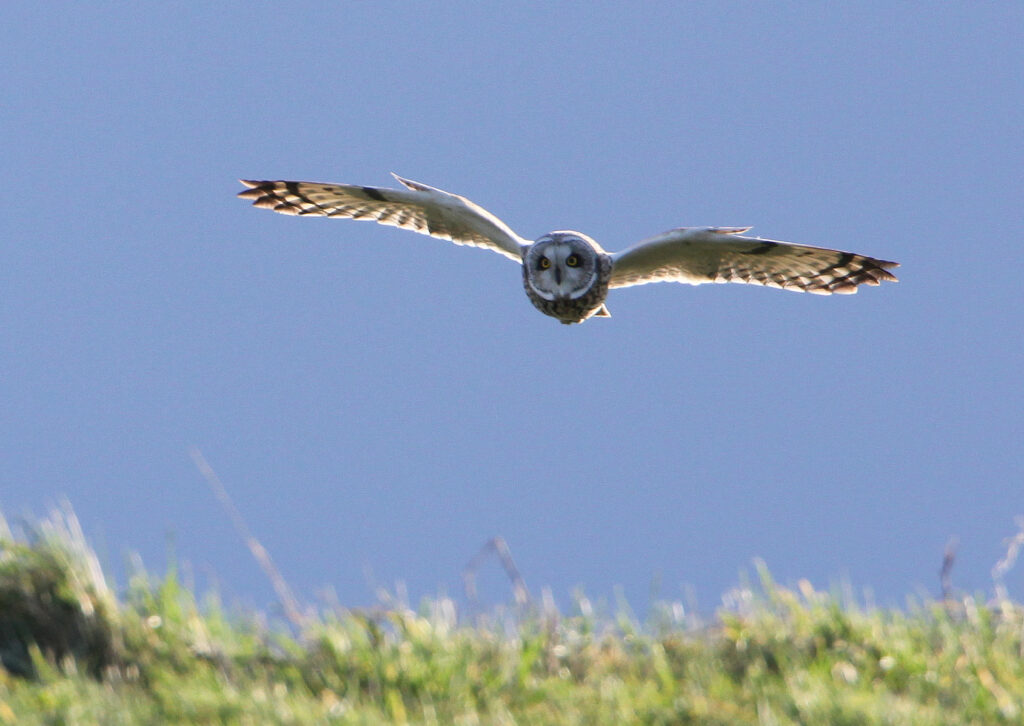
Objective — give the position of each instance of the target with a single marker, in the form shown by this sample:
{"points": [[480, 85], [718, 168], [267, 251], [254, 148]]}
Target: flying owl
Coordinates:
{"points": [[566, 274]]}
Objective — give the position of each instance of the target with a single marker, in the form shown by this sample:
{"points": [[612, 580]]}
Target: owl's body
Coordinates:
{"points": [[567, 275]]}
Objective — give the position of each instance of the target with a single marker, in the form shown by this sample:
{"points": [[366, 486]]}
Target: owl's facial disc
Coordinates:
{"points": [[561, 268]]}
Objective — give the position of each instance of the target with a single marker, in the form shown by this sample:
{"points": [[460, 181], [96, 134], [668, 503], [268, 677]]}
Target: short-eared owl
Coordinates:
{"points": [[567, 275]]}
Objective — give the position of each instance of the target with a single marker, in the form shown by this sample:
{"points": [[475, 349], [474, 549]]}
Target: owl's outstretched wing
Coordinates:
{"points": [[721, 254], [418, 207]]}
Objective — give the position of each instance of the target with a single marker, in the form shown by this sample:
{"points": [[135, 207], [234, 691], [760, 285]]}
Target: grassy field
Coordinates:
{"points": [[75, 652]]}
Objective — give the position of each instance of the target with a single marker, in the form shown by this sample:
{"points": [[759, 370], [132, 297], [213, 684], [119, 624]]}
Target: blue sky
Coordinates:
{"points": [[380, 404]]}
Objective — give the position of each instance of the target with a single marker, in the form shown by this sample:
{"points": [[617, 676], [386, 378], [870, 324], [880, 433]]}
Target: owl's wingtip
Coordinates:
{"points": [[882, 273], [253, 189], [254, 192]]}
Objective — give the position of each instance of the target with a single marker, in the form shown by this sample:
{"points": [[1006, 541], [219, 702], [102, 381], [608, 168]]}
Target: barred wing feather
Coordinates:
{"points": [[418, 207], [697, 255]]}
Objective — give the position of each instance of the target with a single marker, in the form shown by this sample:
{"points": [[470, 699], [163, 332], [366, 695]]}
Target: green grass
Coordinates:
{"points": [[74, 652]]}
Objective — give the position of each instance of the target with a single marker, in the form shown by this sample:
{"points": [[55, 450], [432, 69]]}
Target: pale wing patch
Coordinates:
{"points": [[419, 208]]}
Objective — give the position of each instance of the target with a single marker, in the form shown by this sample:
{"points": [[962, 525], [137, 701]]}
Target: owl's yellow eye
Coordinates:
{"points": [[545, 263], [572, 260]]}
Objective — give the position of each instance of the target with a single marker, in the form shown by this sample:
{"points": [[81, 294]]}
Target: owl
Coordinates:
{"points": [[566, 274]]}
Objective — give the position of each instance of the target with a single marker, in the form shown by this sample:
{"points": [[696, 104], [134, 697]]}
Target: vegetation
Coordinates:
{"points": [[74, 652]]}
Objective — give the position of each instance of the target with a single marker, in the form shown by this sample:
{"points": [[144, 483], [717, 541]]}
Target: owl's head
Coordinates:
{"points": [[562, 265]]}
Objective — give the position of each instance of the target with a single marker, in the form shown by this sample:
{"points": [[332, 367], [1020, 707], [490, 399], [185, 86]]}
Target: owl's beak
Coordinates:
{"points": [[558, 275]]}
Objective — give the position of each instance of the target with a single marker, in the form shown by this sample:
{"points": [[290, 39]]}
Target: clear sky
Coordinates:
{"points": [[380, 403]]}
